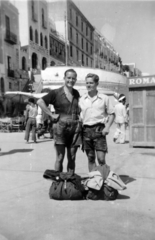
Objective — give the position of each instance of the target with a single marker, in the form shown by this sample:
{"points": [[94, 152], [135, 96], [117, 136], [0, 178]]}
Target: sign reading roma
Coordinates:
{"points": [[142, 81]]}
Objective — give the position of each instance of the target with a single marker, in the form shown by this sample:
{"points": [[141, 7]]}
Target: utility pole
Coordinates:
{"points": [[66, 39]]}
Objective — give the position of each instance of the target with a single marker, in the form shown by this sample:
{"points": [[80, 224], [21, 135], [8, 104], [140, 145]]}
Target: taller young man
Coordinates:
{"points": [[66, 129], [95, 110]]}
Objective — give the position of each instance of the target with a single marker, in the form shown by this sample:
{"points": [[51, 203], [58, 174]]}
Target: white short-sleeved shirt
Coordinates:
{"points": [[95, 110], [120, 113]]}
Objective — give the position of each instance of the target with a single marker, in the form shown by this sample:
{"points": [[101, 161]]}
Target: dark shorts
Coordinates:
{"points": [[93, 138], [67, 132]]}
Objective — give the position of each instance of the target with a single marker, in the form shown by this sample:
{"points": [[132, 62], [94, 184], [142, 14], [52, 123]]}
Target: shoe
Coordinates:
{"points": [[35, 142]]}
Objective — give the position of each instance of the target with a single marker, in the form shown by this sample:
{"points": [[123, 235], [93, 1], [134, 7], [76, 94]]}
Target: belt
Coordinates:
{"points": [[94, 125], [69, 116]]}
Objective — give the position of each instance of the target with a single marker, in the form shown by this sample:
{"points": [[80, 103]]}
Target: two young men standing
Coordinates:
{"points": [[92, 109]]}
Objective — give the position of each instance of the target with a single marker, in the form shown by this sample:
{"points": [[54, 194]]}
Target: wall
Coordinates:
{"points": [[23, 21]]}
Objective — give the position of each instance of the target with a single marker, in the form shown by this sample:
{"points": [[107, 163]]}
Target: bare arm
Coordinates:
{"points": [[44, 107], [108, 125]]}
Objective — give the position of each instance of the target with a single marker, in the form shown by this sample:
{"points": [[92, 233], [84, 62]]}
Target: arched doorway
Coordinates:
{"points": [[34, 61], [44, 63]]}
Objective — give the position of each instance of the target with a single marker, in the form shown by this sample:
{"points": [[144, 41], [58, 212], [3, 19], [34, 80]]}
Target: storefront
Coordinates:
{"points": [[142, 111]]}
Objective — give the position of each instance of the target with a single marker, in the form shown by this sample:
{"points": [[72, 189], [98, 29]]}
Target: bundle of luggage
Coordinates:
{"points": [[100, 184]]}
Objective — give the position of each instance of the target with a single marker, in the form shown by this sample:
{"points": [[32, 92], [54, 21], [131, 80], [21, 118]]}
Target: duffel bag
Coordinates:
{"points": [[65, 185], [109, 193], [65, 190]]}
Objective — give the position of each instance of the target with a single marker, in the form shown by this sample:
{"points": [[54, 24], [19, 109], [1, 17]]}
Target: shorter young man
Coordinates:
{"points": [[95, 107]]}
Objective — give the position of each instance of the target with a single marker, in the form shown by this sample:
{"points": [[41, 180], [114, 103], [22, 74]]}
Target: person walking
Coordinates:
{"points": [[95, 109], [66, 125], [120, 120], [31, 114]]}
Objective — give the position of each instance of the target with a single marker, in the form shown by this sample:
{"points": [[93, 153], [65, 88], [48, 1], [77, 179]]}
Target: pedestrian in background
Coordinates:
{"points": [[66, 131], [39, 118], [127, 112], [120, 120], [31, 125], [95, 107]]}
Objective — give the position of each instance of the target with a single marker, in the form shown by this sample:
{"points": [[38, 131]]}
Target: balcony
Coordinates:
{"points": [[10, 73], [57, 55], [10, 37], [44, 24], [34, 17]]}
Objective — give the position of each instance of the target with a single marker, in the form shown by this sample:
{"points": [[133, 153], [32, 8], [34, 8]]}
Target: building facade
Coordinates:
{"points": [[9, 47], [33, 15], [105, 57], [38, 38], [77, 31], [130, 70], [57, 53]]}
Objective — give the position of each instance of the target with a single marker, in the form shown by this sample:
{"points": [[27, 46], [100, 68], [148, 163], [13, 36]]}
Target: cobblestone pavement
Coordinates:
{"points": [[27, 213]]}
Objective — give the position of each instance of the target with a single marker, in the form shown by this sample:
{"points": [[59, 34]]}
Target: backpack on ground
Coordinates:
{"points": [[109, 193], [65, 186], [111, 183], [105, 193], [113, 180]]}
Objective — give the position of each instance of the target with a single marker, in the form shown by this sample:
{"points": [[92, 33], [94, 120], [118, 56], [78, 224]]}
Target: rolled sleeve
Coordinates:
{"points": [[49, 98]]}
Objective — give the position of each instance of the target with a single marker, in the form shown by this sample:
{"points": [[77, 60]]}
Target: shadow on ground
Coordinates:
{"points": [[15, 151], [121, 196], [148, 154], [127, 179]]}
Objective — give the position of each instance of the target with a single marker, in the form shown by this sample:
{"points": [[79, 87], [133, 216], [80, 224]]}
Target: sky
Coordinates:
{"points": [[128, 25]]}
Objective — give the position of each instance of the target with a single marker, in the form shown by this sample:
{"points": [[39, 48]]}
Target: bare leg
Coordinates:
{"points": [[33, 124], [91, 159], [27, 130], [60, 153], [101, 157], [71, 155]]}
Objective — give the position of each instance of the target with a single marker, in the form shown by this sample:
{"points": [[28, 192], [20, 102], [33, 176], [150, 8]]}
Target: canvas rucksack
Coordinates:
{"points": [[113, 180], [109, 193], [65, 186], [105, 193]]}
